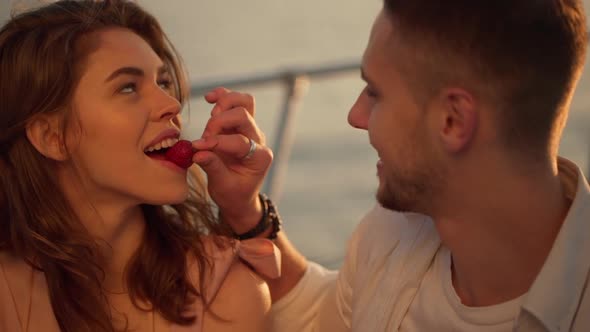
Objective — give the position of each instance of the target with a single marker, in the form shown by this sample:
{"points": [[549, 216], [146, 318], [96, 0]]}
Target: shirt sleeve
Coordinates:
{"points": [[322, 300], [297, 311]]}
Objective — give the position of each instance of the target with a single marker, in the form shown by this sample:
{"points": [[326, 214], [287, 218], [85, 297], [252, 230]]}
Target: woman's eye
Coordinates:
{"points": [[128, 88], [165, 84]]}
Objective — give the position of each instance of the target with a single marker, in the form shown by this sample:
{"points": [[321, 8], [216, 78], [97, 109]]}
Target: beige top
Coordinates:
{"points": [[24, 299]]}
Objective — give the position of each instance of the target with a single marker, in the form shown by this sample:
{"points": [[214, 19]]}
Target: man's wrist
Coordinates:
{"points": [[246, 221], [267, 226]]}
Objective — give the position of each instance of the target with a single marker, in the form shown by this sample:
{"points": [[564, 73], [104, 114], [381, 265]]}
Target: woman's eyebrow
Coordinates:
{"points": [[135, 71]]}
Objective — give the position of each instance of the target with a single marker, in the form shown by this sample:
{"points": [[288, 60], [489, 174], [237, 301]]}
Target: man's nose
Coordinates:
{"points": [[358, 116]]}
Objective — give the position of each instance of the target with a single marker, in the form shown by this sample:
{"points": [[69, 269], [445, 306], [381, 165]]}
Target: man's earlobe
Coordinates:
{"points": [[45, 134], [460, 120]]}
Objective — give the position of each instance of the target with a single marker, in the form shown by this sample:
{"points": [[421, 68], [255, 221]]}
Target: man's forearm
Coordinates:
{"points": [[293, 267]]}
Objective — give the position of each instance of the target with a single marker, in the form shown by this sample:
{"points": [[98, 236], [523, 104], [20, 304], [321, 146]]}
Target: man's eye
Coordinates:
{"points": [[128, 88], [370, 92]]}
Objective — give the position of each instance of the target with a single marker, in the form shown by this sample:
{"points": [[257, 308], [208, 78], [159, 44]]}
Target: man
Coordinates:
{"points": [[465, 104]]}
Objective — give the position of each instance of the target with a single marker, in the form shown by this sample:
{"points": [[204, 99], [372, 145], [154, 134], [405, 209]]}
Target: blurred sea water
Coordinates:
{"points": [[331, 179]]}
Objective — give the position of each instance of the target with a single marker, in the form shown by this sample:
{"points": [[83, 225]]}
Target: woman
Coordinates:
{"points": [[99, 231]]}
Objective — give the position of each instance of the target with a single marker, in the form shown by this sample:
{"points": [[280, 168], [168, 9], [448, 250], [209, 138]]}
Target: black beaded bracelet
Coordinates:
{"points": [[270, 217], [274, 217]]}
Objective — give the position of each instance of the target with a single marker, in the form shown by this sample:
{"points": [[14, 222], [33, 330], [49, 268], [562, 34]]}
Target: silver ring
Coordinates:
{"points": [[253, 147]]}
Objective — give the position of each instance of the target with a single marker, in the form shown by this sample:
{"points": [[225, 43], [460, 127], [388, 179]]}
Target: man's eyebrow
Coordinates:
{"points": [[134, 71], [365, 77]]}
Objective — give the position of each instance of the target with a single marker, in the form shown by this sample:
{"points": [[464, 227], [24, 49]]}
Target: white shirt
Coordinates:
{"points": [[437, 307], [390, 253]]}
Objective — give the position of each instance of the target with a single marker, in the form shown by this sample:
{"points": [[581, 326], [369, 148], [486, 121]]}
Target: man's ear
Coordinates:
{"points": [[459, 119], [45, 134]]}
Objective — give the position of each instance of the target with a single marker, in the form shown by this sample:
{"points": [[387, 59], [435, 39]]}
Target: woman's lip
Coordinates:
{"points": [[165, 162], [168, 133]]}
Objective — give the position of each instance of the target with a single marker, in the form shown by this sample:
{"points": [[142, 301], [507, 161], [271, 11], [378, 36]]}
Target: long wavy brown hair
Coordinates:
{"points": [[40, 65]]}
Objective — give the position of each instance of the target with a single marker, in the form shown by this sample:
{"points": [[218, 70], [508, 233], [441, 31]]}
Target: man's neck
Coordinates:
{"points": [[500, 237]]}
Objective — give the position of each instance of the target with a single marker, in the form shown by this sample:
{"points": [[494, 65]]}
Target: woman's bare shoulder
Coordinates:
{"points": [[243, 301], [13, 266]]}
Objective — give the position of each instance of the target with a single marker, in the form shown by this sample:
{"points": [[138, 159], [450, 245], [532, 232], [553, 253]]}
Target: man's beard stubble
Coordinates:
{"points": [[414, 192]]}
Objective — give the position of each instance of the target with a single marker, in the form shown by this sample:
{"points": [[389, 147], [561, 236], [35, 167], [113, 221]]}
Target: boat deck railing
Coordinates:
{"points": [[295, 81]]}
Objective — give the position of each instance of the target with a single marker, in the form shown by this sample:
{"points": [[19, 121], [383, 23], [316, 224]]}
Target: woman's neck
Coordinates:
{"points": [[118, 229], [120, 241]]}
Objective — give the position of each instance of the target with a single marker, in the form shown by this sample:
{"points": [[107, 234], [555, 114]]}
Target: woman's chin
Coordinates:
{"points": [[168, 198]]}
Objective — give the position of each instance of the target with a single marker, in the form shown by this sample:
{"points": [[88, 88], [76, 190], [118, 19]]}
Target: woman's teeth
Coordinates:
{"points": [[162, 145]]}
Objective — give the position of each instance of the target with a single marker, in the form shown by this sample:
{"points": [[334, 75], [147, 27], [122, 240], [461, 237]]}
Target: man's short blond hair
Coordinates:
{"points": [[524, 57]]}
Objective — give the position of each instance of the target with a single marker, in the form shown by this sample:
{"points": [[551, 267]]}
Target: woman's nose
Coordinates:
{"points": [[167, 106]]}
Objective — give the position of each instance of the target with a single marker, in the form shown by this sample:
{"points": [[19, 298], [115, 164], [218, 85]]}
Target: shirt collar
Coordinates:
{"points": [[554, 296]]}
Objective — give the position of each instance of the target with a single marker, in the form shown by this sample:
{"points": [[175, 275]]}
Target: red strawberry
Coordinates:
{"points": [[181, 154]]}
